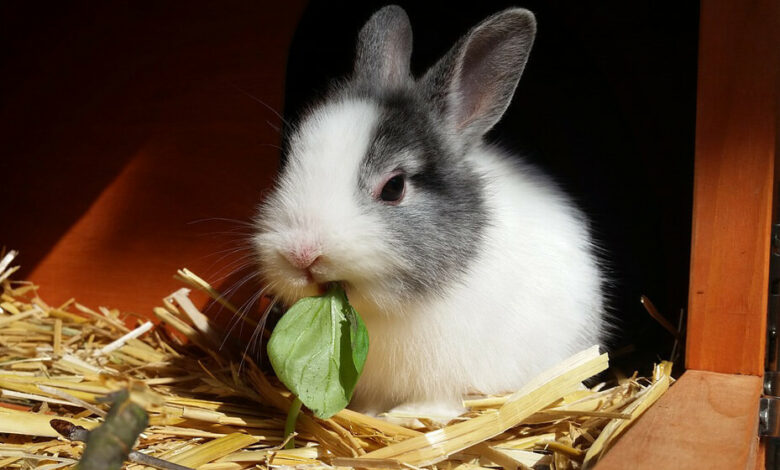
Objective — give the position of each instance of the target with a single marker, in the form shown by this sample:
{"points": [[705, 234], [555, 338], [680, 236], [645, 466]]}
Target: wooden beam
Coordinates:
{"points": [[705, 420], [736, 148]]}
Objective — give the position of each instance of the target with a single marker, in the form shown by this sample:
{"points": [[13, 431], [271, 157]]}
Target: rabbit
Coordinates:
{"points": [[472, 270]]}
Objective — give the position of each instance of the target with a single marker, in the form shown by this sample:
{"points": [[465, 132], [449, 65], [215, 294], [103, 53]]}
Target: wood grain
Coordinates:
{"points": [[736, 148], [705, 420]]}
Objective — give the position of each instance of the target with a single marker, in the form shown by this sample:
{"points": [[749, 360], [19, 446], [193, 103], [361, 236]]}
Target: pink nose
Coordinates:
{"points": [[303, 257]]}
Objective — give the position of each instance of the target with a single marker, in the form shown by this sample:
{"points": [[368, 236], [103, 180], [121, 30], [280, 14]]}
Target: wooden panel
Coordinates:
{"points": [[705, 420], [736, 139], [167, 98]]}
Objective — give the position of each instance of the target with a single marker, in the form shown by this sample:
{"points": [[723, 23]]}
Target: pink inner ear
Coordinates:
{"points": [[479, 78], [471, 110], [396, 63]]}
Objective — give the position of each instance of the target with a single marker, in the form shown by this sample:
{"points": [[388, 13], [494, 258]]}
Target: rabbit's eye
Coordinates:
{"points": [[393, 190]]}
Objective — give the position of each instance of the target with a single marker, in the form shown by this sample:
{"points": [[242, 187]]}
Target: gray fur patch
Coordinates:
{"points": [[440, 228], [384, 49]]}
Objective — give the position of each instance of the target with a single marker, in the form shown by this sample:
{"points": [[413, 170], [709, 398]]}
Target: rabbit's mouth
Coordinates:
{"points": [[323, 275], [324, 286]]}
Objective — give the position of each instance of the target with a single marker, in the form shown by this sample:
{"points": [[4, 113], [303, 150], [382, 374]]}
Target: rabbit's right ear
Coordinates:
{"points": [[384, 49]]}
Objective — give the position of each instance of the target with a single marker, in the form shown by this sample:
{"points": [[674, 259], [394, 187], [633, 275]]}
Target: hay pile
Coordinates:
{"points": [[210, 411]]}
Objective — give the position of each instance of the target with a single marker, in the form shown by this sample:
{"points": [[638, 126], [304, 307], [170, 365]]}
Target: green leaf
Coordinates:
{"points": [[318, 350], [358, 335]]}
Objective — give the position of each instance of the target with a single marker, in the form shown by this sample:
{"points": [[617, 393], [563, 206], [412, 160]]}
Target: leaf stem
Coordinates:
{"points": [[289, 425]]}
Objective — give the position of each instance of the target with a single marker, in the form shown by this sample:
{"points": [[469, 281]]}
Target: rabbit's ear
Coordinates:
{"points": [[474, 83], [384, 49]]}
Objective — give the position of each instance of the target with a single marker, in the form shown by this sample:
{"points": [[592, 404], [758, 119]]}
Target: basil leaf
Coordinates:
{"points": [[318, 350], [358, 335]]}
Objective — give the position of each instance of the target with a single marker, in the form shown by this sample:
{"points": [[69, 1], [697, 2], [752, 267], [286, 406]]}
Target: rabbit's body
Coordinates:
{"points": [[472, 270], [515, 313]]}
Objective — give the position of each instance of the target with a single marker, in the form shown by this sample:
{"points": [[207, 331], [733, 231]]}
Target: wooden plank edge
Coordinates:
{"points": [[705, 420]]}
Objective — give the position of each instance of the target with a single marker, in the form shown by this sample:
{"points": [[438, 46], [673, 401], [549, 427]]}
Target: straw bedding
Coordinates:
{"points": [[210, 410]]}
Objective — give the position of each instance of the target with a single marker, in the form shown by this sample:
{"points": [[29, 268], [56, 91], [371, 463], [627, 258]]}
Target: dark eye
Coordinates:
{"points": [[393, 190]]}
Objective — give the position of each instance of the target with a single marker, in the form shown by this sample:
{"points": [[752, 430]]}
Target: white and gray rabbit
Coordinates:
{"points": [[472, 270]]}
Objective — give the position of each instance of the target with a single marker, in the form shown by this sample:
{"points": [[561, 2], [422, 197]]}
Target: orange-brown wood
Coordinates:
{"points": [[736, 147], [705, 420], [136, 182]]}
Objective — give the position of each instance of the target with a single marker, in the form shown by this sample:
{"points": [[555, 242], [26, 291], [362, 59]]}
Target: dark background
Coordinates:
{"points": [[94, 95], [606, 105]]}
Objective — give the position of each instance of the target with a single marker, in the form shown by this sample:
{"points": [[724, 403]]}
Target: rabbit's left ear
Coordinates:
{"points": [[474, 83], [384, 49]]}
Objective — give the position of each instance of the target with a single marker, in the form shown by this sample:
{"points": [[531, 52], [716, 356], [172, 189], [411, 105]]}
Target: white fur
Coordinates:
{"points": [[314, 203], [530, 299]]}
